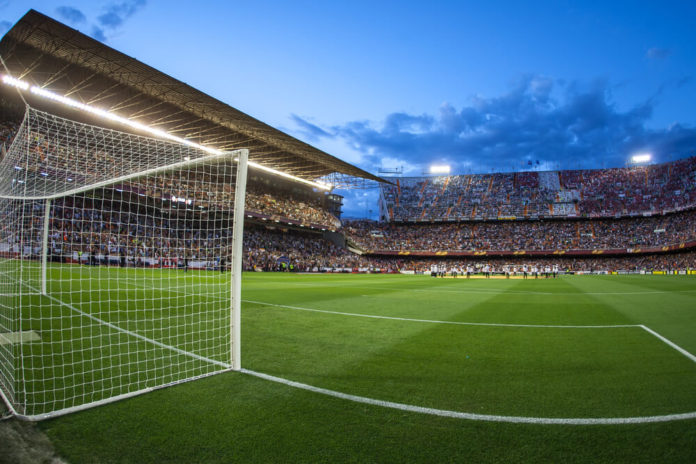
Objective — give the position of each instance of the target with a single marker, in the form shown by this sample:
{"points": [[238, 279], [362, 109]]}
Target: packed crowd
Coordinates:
{"points": [[106, 230], [295, 251], [590, 193], [307, 210], [116, 231], [579, 234], [267, 250], [110, 231], [100, 231]]}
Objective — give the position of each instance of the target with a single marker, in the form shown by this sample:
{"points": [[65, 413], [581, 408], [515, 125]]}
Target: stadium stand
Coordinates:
{"points": [[268, 249], [306, 209], [301, 251], [603, 218], [630, 191], [515, 236], [570, 218]]}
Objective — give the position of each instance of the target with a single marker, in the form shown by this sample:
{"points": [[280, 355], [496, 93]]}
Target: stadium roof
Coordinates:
{"points": [[46, 53]]}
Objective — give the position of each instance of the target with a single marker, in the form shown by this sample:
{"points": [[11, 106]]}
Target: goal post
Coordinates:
{"points": [[120, 264], [237, 254]]}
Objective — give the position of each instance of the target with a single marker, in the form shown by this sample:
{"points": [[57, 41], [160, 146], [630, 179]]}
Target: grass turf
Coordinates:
{"points": [[518, 371]]}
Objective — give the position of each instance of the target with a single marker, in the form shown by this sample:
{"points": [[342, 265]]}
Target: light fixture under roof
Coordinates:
{"points": [[19, 84]]}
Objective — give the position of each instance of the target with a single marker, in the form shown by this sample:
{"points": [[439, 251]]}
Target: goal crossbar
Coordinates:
{"points": [[209, 159]]}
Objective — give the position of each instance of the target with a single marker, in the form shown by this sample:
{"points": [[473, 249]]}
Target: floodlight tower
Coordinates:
{"points": [[439, 169], [640, 159]]}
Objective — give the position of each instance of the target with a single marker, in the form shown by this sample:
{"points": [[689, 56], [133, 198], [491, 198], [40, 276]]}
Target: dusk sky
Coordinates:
{"points": [[481, 86]]}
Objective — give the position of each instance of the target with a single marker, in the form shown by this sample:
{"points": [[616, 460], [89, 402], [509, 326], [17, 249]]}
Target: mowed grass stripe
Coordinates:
{"points": [[239, 418], [395, 300], [672, 314], [433, 321], [545, 372], [404, 295], [423, 298], [539, 308]]}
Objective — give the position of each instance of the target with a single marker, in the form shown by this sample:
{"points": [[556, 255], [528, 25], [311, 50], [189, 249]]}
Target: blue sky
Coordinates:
{"points": [[482, 86]]}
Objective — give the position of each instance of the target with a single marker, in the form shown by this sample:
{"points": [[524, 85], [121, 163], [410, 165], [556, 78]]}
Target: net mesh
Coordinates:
{"points": [[114, 259]]}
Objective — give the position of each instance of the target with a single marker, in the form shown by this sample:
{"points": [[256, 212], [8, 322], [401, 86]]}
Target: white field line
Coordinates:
{"points": [[432, 411], [429, 321], [485, 324], [670, 343], [473, 416]]}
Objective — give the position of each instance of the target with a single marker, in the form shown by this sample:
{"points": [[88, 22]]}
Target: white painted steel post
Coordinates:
{"points": [[237, 253]]}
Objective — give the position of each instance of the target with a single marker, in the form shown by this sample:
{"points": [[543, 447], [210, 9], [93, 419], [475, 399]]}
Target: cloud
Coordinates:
{"points": [[113, 17], [117, 13], [657, 53], [311, 131], [563, 125], [71, 15]]}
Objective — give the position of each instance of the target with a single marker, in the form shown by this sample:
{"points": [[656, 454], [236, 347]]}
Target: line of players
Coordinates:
{"points": [[487, 270]]}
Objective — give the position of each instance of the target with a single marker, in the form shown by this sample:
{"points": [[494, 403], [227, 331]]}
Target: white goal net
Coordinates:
{"points": [[120, 261]]}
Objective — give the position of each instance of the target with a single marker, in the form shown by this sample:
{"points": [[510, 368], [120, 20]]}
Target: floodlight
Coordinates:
{"points": [[439, 169], [641, 158], [9, 80], [15, 82]]}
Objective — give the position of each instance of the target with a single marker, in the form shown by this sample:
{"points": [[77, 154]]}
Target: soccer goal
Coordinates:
{"points": [[120, 264]]}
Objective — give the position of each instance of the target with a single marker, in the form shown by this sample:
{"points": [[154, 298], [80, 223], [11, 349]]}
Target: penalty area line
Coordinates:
{"points": [[429, 321], [473, 416], [669, 342]]}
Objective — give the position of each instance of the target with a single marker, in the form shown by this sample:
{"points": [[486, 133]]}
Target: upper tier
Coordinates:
{"points": [[653, 189]]}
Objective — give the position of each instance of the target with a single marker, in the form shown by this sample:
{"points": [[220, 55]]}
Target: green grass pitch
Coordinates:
{"points": [[569, 348]]}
